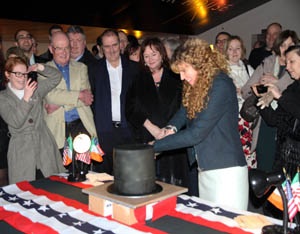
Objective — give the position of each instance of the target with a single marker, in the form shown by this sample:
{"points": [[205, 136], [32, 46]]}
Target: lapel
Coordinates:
{"points": [[11, 95], [125, 72], [74, 76]]}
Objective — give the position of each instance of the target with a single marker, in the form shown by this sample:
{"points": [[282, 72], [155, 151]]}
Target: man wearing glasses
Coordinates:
{"points": [[221, 39], [68, 105]]}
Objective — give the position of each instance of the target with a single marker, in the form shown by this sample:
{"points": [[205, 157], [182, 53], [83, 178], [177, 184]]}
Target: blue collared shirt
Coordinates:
{"points": [[70, 115]]}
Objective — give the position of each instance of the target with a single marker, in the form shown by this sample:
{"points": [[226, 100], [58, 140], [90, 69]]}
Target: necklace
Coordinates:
{"points": [[157, 83]]}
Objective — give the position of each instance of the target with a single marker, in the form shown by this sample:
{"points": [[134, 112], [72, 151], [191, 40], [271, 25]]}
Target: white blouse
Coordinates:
{"points": [[17, 92], [239, 75]]}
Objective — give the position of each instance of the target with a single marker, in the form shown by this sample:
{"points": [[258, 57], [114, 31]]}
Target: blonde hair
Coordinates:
{"points": [[243, 48], [207, 63]]}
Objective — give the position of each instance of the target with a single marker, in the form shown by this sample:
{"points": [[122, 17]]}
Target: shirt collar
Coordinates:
{"points": [[109, 66], [32, 60], [79, 57], [60, 67]]}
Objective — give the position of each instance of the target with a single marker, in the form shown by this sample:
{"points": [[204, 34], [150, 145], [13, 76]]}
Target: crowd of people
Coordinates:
{"points": [[183, 97]]}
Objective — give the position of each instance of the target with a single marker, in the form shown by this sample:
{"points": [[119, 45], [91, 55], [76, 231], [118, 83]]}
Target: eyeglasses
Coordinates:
{"points": [[19, 74], [25, 36], [60, 49]]}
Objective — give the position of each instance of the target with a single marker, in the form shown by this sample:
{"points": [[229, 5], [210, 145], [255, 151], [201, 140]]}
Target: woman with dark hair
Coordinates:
{"points": [[207, 123], [286, 117], [271, 70], [151, 101], [132, 51]]}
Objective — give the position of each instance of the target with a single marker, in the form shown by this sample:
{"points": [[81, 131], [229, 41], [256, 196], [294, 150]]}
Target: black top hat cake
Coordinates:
{"points": [[134, 171]]}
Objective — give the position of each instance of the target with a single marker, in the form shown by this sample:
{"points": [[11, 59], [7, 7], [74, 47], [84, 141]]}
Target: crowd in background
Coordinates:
{"points": [[184, 97]]}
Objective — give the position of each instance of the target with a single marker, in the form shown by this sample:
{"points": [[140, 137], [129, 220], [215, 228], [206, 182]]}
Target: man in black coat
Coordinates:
{"points": [[113, 76], [80, 53]]}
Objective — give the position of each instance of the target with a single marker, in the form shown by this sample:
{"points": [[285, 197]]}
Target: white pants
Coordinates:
{"points": [[228, 186]]}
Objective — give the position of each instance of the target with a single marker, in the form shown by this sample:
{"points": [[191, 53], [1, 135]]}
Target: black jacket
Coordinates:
{"points": [[145, 101], [283, 118], [91, 62]]}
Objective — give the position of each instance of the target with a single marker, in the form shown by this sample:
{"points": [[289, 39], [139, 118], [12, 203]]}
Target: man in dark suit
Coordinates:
{"points": [[80, 53], [113, 76]]}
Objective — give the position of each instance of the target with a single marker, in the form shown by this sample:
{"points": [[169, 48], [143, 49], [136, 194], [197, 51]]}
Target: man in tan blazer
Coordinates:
{"points": [[67, 106]]}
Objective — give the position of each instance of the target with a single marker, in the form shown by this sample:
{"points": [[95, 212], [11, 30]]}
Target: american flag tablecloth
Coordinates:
{"points": [[32, 210]]}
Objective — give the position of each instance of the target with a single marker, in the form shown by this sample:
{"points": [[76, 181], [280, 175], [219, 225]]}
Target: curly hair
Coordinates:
{"points": [[207, 63]]}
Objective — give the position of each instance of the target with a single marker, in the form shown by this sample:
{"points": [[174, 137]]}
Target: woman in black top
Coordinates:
{"points": [[151, 101], [286, 117]]}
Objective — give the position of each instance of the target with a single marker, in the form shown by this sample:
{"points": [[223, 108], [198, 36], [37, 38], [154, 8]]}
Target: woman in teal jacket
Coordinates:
{"points": [[210, 115]]}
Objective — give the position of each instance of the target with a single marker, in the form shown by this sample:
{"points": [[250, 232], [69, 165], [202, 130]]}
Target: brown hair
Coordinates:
{"points": [[156, 43], [207, 63], [11, 63], [283, 36]]}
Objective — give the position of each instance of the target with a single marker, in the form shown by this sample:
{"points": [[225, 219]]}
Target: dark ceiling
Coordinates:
{"points": [[168, 16]]}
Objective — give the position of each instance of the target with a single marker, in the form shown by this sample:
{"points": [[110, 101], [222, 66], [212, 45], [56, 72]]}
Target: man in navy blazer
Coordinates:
{"points": [[113, 75]]}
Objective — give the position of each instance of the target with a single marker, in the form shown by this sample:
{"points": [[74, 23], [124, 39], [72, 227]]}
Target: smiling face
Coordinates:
{"points": [[77, 43], [272, 33], [24, 41], [17, 80], [111, 48], [152, 58], [293, 64], [188, 73], [234, 51], [221, 41], [60, 48]]}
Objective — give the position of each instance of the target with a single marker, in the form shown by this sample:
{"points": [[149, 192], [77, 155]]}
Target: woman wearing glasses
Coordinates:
{"points": [[32, 151]]}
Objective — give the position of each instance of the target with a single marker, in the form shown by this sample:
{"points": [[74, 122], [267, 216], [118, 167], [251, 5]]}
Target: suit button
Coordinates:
{"points": [[30, 120]]}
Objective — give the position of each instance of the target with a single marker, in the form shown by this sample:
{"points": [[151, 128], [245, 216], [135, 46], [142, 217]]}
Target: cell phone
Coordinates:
{"points": [[33, 76], [261, 89]]}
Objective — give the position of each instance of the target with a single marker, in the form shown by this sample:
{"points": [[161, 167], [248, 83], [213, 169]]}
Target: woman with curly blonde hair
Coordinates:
{"points": [[209, 114]]}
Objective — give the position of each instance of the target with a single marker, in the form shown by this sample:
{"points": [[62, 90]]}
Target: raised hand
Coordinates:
{"points": [[36, 67], [268, 78], [29, 89], [274, 89]]}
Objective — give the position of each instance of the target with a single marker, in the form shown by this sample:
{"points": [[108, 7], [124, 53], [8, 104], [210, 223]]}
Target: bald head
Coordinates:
{"points": [[58, 36], [60, 48]]}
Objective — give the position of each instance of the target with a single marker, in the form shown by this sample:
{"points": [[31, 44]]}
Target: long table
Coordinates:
{"points": [[173, 224]]}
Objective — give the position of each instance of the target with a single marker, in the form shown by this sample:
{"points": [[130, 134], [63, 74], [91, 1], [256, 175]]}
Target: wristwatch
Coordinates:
{"points": [[171, 127]]}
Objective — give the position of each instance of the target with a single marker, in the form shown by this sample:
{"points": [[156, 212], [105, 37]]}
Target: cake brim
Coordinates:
{"points": [[111, 189]]}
